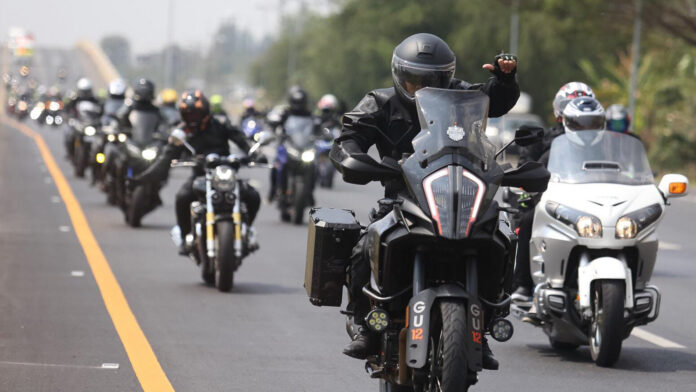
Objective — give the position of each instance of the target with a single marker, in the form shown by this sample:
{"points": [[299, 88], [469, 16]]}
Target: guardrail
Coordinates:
{"points": [[99, 59]]}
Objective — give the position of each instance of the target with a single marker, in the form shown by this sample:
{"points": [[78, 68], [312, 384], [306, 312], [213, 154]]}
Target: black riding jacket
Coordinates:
{"points": [[143, 106], [383, 119], [211, 140]]}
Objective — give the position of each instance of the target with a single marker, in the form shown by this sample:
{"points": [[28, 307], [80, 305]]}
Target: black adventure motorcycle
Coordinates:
{"points": [[441, 240]]}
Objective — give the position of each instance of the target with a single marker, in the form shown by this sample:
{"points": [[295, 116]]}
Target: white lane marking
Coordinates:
{"points": [[55, 199], [64, 229], [109, 365], [669, 246], [654, 339], [77, 273]]}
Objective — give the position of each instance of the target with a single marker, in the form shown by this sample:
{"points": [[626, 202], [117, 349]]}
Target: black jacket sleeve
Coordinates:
{"points": [[236, 136], [503, 92], [362, 124], [122, 115], [159, 170]]}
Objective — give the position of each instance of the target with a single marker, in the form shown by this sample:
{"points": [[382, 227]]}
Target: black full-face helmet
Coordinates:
{"points": [[297, 99], [194, 109], [144, 90], [421, 60]]}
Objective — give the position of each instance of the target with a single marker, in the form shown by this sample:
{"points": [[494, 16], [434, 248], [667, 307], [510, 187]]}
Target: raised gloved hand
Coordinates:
{"points": [[504, 65]]}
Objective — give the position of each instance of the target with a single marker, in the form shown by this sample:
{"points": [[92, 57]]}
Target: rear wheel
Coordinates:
{"points": [[299, 202], [448, 371], [607, 329], [226, 261]]}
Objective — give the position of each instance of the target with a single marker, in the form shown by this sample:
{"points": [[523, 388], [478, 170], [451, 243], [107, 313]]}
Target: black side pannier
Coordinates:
{"points": [[332, 235]]}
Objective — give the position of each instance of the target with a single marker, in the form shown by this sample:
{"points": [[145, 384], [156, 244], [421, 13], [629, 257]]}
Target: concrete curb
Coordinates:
{"points": [[99, 59]]}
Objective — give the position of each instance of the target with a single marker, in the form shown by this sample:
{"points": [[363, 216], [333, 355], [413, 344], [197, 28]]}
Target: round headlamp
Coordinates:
{"points": [[626, 228], [307, 156], [589, 227], [90, 131], [149, 153]]}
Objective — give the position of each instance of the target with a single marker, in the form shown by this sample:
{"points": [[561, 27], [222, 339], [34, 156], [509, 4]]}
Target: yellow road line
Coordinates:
{"points": [[145, 364]]}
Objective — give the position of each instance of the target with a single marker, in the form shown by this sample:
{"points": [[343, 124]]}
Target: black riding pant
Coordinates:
{"points": [[523, 275]]}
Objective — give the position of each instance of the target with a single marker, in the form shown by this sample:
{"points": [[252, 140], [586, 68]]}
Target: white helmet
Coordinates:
{"points": [[328, 102], [84, 84], [583, 114], [567, 93], [117, 88]]}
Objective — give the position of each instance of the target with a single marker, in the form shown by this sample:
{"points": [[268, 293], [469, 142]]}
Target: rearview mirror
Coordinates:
{"points": [[178, 138], [526, 135], [262, 138], [674, 185]]}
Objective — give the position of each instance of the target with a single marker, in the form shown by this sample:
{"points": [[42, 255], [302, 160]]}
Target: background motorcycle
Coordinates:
{"points": [[431, 248], [325, 168], [296, 156], [138, 151], [594, 242], [84, 129], [220, 239]]}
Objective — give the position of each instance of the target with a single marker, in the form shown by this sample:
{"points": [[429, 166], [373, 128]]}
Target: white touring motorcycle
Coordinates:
{"points": [[594, 242]]}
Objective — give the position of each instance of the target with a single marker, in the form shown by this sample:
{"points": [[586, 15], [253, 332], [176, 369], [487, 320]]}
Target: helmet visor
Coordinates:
{"points": [[584, 123], [620, 125], [411, 78], [193, 118]]}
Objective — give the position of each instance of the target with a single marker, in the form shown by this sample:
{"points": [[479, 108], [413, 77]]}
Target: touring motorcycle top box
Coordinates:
{"points": [[436, 255], [594, 242]]}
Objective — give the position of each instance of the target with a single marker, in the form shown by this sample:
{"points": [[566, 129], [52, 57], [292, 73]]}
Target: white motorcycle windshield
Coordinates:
{"points": [[599, 157]]}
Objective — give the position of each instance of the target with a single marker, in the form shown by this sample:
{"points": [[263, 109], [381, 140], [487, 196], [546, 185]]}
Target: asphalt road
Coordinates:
{"points": [[56, 335]]}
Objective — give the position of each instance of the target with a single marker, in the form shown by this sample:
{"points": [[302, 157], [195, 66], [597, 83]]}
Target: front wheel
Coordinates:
{"points": [[386, 386], [137, 207], [607, 329], [226, 261], [448, 370]]}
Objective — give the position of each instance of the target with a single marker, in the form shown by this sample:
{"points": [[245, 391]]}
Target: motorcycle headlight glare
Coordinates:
{"points": [[49, 120], [149, 153], [626, 228], [585, 225], [122, 137], [111, 138], [308, 156], [90, 131], [54, 106]]}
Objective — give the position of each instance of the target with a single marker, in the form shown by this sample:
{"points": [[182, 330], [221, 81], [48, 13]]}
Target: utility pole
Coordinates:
{"points": [[169, 51], [514, 26], [635, 57]]}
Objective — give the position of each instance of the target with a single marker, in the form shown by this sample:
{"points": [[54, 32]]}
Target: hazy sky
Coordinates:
{"points": [[143, 22]]}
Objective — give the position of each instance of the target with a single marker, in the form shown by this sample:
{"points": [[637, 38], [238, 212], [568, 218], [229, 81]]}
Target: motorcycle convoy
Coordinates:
{"points": [[593, 247]]}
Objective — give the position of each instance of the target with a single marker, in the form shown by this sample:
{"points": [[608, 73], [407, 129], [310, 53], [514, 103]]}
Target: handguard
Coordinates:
{"points": [[357, 167]]}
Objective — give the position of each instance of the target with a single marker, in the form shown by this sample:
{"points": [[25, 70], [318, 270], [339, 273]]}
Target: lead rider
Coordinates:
{"points": [[387, 119]]}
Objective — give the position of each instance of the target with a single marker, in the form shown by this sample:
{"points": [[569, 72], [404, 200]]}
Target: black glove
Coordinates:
{"points": [[496, 67]]}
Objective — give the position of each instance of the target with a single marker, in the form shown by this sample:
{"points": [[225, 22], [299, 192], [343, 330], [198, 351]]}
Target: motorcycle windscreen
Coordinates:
{"points": [[599, 157], [299, 129], [143, 127], [453, 122], [88, 112]]}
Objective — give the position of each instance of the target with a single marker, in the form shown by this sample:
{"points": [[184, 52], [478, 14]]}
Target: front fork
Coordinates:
{"points": [[209, 216], [237, 219]]}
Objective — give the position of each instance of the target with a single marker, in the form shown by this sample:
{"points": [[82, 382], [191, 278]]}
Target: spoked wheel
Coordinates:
{"points": [[607, 329], [448, 370], [207, 267]]}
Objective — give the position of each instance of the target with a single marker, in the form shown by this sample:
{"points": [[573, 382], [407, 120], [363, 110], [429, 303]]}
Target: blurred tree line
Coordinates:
{"points": [[348, 54]]}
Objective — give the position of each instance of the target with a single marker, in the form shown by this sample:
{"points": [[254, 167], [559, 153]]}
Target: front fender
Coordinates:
{"points": [[603, 268], [419, 310]]}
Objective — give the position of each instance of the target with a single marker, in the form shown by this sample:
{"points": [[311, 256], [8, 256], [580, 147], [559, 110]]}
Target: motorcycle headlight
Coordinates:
{"points": [[629, 225], [223, 178], [49, 120], [90, 131], [58, 120], [54, 106], [111, 138], [308, 156], [443, 199], [586, 225], [122, 137], [22, 105], [149, 153], [626, 228]]}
